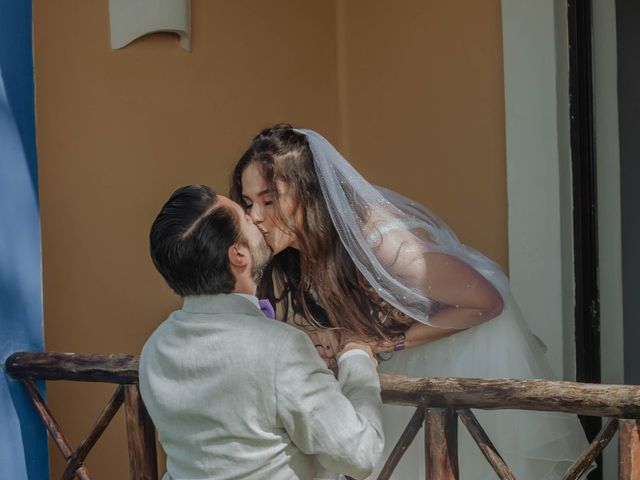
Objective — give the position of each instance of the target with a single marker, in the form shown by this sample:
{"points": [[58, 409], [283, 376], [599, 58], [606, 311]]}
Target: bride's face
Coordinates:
{"points": [[260, 203]]}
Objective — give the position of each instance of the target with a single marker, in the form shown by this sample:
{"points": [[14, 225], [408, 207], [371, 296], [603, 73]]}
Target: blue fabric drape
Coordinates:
{"points": [[23, 445]]}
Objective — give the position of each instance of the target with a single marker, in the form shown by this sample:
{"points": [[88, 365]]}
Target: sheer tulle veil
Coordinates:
{"points": [[370, 220], [376, 225]]}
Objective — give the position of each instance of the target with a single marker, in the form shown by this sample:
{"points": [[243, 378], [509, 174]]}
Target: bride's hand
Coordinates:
{"points": [[376, 345], [328, 346]]}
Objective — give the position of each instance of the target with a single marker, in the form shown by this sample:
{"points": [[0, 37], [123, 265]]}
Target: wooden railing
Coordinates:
{"points": [[439, 403], [121, 370]]}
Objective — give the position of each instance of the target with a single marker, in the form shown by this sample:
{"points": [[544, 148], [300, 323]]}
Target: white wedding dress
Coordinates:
{"points": [[535, 445]]}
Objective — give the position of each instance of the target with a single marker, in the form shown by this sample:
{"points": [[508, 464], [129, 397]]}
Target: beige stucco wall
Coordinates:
{"points": [[423, 85], [412, 91]]}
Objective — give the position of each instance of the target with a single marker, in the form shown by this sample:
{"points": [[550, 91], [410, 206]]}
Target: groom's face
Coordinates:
{"points": [[260, 251]]}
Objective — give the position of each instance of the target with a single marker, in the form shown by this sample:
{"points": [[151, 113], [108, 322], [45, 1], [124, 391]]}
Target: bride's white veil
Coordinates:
{"points": [[387, 234]]}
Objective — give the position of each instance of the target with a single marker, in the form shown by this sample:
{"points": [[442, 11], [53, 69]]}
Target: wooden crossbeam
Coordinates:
{"points": [[409, 433], [52, 426], [486, 446], [99, 427], [590, 454]]}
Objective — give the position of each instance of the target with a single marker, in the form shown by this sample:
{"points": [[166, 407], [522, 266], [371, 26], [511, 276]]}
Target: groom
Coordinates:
{"points": [[233, 394]]}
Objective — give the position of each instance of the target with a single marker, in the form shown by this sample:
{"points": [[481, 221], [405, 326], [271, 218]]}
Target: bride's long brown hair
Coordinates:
{"points": [[342, 298]]}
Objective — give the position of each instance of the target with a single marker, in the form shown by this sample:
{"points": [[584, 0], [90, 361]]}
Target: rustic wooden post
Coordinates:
{"points": [[629, 468], [441, 444], [143, 461]]}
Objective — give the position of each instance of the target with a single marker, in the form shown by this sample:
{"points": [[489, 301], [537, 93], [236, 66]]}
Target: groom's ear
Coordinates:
{"points": [[238, 255]]}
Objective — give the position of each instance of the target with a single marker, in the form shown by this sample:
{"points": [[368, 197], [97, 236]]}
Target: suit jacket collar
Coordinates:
{"points": [[224, 303]]}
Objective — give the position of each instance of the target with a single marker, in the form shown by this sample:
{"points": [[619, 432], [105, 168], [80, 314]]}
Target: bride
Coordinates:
{"points": [[355, 260]]}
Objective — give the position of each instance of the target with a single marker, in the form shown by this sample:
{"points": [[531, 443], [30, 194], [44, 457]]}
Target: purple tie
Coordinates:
{"points": [[267, 308]]}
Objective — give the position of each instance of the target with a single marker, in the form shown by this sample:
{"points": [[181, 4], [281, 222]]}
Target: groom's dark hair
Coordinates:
{"points": [[190, 240]]}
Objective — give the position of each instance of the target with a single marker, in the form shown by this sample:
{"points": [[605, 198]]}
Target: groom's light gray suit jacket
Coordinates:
{"points": [[235, 395]]}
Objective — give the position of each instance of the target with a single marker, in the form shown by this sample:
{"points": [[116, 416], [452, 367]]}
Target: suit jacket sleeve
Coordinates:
{"points": [[338, 421]]}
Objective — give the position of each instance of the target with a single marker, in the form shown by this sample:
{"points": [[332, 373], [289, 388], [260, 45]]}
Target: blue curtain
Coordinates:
{"points": [[23, 443]]}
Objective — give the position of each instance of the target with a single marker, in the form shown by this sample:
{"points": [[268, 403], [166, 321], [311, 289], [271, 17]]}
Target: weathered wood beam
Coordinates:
{"points": [[441, 444], [52, 426], [589, 456], [99, 427], [143, 462], [570, 397], [629, 449], [116, 368], [544, 395], [486, 446], [409, 433]]}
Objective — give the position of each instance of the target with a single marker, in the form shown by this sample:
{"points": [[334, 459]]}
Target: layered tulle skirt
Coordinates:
{"points": [[535, 445]]}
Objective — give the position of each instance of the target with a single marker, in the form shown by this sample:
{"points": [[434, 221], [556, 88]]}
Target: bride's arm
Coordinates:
{"points": [[466, 297], [417, 334]]}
